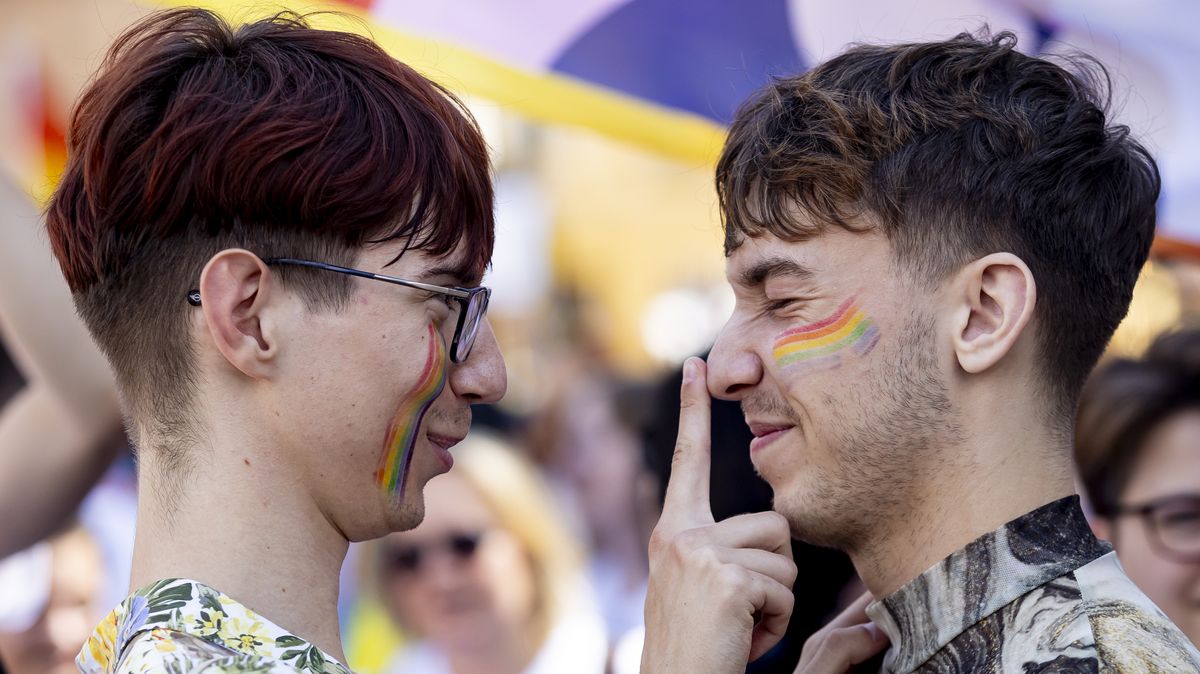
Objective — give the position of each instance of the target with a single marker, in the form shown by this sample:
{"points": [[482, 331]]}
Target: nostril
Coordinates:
{"points": [[736, 389]]}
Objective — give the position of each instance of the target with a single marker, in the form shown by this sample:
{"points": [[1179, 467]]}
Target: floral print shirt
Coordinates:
{"points": [[178, 626], [1039, 594]]}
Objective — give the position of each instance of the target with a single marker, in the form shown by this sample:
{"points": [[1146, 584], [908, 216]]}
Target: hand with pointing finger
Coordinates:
{"points": [[720, 592]]}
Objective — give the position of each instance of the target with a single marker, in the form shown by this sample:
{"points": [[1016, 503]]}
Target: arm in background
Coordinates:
{"points": [[57, 436]]}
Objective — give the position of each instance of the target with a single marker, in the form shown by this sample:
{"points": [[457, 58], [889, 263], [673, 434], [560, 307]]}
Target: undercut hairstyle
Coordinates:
{"points": [[1124, 402], [955, 150], [288, 141]]}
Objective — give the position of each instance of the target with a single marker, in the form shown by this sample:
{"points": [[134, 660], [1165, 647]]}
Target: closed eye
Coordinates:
{"points": [[779, 305]]}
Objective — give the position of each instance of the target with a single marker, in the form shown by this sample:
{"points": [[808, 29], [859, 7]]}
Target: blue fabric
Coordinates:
{"points": [[703, 56]]}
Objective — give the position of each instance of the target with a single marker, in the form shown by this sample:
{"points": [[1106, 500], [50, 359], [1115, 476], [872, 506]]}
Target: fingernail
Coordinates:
{"points": [[689, 371], [876, 633]]}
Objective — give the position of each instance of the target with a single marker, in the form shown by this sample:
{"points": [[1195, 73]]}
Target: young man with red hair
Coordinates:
{"points": [[276, 236]]}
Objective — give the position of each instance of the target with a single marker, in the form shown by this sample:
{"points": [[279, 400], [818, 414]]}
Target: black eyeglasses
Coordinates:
{"points": [[1174, 525], [408, 559], [473, 301]]}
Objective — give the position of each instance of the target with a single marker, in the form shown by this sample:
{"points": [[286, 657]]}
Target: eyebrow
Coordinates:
{"points": [[771, 267], [461, 272]]}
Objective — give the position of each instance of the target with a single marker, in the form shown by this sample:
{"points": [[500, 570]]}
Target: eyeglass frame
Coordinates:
{"points": [[1146, 513], [464, 296]]}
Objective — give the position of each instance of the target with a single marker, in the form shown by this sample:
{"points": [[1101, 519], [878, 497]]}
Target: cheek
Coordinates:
{"points": [[843, 337], [1163, 580], [403, 429]]}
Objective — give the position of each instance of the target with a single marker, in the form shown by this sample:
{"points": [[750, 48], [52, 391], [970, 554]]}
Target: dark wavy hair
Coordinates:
{"points": [[957, 149], [196, 136], [1123, 403]]}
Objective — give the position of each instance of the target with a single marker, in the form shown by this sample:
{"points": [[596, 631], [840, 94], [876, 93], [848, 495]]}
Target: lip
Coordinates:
{"points": [[766, 433], [442, 444]]}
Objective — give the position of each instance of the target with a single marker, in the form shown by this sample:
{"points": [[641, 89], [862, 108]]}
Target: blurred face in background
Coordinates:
{"points": [[51, 644], [459, 579], [1160, 550]]}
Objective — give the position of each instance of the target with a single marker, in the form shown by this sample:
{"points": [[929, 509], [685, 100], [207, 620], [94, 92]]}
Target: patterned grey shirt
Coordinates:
{"points": [[1039, 594]]}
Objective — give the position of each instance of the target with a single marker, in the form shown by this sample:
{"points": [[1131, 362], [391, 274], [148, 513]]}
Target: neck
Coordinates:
{"points": [[991, 480], [232, 524]]}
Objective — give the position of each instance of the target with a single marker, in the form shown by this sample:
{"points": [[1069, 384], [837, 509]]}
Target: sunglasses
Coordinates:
{"points": [[407, 559]]}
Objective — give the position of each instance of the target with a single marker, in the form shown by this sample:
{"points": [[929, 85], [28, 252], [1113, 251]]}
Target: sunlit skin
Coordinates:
{"points": [[402, 432], [821, 345], [1168, 464]]}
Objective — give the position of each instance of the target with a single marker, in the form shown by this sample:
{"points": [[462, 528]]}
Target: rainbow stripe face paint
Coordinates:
{"points": [[827, 343], [402, 432]]}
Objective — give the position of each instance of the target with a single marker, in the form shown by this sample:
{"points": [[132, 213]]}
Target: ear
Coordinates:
{"points": [[997, 298], [235, 288]]}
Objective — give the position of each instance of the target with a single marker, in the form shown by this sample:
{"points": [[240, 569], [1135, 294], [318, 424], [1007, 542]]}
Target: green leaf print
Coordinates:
{"points": [[288, 641]]}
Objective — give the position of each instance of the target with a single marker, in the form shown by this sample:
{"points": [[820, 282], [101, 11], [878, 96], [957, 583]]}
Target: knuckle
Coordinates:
{"points": [[815, 643], [787, 602], [734, 579], [690, 541], [660, 541], [778, 525], [791, 573]]}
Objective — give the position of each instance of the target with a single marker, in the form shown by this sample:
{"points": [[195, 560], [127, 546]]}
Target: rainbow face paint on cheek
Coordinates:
{"points": [[825, 344], [402, 432]]}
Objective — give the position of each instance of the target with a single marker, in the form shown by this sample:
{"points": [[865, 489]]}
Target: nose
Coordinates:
{"points": [[734, 367], [482, 377]]}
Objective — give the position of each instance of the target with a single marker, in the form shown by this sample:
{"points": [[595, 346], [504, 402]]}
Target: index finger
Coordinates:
{"points": [[687, 490]]}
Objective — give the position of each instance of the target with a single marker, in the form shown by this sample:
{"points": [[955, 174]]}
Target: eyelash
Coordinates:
{"points": [[776, 305], [446, 299]]}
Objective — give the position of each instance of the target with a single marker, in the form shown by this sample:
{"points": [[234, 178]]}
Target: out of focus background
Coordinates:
{"points": [[605, 118]]}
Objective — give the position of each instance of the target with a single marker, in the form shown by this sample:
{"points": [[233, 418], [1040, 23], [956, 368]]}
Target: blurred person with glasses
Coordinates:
{"points": [[1138, 449], [276, 234], [491, 581]]}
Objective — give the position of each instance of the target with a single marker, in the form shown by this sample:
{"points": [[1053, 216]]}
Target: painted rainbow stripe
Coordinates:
{"points": [[402, 432], [819, 345]]}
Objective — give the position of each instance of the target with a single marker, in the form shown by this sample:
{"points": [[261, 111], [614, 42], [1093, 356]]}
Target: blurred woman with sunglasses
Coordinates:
{"points": [[1138, 449], [491, 581]]}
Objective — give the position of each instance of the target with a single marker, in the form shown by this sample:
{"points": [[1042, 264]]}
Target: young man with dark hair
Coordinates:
{"points": [[930, 246], [276, 235]]}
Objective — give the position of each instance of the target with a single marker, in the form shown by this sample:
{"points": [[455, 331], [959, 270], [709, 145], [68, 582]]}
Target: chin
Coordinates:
{"points": [[813, 516], [406, 514]]}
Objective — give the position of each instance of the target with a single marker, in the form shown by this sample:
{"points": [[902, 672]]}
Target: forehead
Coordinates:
{"points": [[827, 258], [456, 268]]}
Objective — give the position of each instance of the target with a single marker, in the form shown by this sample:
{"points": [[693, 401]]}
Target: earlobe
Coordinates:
{"points": [[236, 288], [998, 295]]}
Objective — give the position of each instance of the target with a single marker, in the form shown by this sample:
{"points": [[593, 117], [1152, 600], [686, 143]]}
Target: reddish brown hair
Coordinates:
{"points": [[286, 140], [957, 149]]}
